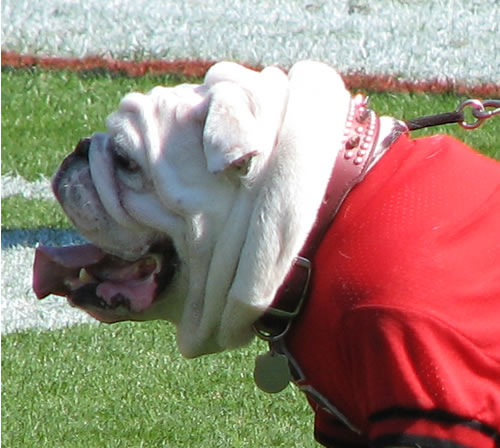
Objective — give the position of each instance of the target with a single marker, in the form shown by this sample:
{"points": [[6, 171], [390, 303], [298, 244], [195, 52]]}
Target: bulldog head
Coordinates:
{"points": [[196, 200]]}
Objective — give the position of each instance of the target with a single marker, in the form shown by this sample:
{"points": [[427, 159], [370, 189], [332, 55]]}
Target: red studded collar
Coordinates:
{"points": [[364, 142]]}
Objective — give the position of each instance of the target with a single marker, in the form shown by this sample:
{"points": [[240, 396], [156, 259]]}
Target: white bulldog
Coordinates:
{"points": [[208, 191], [200, 199]]}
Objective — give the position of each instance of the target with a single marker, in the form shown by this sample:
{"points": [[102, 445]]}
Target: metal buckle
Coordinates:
{"points": [[288, 315]]}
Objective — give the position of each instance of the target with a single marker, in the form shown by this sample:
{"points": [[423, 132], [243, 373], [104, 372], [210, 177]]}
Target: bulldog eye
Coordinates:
{"points": [[125, 163]]}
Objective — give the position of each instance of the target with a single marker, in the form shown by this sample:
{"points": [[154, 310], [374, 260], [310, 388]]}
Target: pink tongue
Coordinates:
{"points": [[142, 292], [53, 265]]}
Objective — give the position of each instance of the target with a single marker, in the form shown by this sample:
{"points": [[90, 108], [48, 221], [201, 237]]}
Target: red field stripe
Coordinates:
{"points": [[197, 68], [186, 68]]}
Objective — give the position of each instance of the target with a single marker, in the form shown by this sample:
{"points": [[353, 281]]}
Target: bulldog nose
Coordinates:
{"points": [[82, 148]]}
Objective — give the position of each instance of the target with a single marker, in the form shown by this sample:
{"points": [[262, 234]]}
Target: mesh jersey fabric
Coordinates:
{"points": [[401, 331]]}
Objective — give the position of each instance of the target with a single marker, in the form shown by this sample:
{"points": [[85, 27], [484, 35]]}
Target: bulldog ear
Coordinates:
{"points": [[231, 136]]}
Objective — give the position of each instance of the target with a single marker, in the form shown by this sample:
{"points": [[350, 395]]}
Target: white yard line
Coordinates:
{"points": [[20, 308], [17, 185]]}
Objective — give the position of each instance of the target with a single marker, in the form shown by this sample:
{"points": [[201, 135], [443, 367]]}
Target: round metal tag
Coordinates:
{"points": [[272, 373]]}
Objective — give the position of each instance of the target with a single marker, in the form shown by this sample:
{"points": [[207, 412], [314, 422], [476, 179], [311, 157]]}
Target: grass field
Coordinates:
{"points": [[125, 385]]}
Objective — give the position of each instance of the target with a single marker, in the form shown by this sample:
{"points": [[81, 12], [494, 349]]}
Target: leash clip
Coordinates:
{"points": [[479, 111]]}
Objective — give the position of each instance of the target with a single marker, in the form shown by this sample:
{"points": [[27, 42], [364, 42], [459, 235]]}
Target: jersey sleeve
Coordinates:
{"points": [[420, 382]]}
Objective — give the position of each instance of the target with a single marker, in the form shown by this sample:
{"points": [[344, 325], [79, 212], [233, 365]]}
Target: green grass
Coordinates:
{"points": [[20, 213], [126, 385], [410, 106], [45, 113]]}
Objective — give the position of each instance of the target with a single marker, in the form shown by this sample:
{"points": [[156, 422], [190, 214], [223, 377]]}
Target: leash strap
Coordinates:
{"points": [[481, 111]]}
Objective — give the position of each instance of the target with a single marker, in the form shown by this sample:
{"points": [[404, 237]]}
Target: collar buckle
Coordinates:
{"points": [[274, 325]]}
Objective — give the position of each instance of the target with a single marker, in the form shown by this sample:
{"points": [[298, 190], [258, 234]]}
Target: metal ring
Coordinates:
{"points": [[488, 113], [478, 108]]}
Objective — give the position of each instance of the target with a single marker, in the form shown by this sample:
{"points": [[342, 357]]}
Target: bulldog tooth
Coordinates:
{"points": [[154, 261], [84, 276]]}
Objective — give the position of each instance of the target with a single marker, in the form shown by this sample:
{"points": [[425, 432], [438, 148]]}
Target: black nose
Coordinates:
{"points": [[80, 153], [82, 148]]}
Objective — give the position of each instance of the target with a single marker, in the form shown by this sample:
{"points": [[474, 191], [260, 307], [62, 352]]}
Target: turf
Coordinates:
{"points": [[126, 385], [19, 213], [45, 113], [410, 106]]}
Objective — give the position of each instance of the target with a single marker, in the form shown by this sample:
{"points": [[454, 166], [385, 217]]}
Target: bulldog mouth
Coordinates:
{"points": [[107, 287]]}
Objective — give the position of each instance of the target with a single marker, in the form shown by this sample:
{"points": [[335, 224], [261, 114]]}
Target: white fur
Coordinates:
{"points": [[233, 171]]}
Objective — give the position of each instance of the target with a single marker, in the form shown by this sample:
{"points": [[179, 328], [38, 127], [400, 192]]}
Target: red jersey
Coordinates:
{"points": [[399, 343]]}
